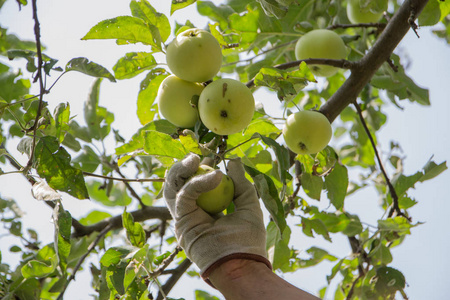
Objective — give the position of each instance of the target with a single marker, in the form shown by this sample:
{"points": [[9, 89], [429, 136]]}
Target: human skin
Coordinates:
{"points": [[241, 279]]}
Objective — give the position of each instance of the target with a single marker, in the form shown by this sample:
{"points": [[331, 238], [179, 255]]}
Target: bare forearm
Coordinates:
{"points": [[251, 280]]}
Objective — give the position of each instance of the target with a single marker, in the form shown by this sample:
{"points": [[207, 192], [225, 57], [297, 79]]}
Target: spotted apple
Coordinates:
{"points": [[218, 199], [307, 132], [174, 101], [358, 14], [226, 106], [321, 43], [194, 55]]}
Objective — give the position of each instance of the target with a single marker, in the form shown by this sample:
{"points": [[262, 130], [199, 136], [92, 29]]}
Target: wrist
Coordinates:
{"points": [[237, 269]]}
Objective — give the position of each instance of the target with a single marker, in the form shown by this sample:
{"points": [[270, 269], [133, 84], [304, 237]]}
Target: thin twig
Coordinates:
{"points": [[130, 188], [39, 76], [166, 262], [176, 275], [124, 179], [395, 206], [360, 25], [82, 259]]}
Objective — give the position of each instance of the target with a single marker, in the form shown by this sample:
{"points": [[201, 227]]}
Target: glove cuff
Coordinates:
{"points": [[249, 256]]}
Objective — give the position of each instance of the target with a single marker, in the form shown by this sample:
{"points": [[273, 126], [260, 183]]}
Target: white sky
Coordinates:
{"points": [[421, 132]]}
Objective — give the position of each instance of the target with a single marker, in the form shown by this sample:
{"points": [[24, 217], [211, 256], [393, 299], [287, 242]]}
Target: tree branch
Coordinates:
{"points": [[176, 275], [146, 213], [388, 40]]}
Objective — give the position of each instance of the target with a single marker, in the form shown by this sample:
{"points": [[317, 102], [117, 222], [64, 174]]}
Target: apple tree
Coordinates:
{"points": [[77, 157]]}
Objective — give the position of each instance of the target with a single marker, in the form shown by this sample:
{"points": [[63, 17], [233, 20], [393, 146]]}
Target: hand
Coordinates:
{"points": [[208, 240]]}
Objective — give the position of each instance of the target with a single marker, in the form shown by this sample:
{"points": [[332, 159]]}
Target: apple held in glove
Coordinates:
{"points": [[321, 43], [174, 101], [194, 55], [307, 132], [218, 199], [226, 106]]}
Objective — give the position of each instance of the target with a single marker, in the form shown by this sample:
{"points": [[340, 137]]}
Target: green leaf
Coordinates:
{"points": [[142, 9], [312, 185], [202, 295], [179, 4], [42, 265], [269, 195], [137, 140], [132, 64], [135, 232], [277, 245], [273, 9], [287, 83], [88, 160], [336, 184], [83, 65], [63, 225], [282, 155], [113, 256], [316, 225], [126, 30], [317, 255], [431, 170], [431, 14], [117, 196], [53, 164], [97, 118], [389, 280], [216, 13], [62, 117], [397, 224], [146, 109], [94, 217], [161, 144]]}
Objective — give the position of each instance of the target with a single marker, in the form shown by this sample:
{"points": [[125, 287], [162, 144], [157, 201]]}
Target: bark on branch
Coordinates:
{"points": [[364, 69]]}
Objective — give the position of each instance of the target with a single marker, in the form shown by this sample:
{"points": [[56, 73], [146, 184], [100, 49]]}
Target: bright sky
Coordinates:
{"points": [[421, 132]]}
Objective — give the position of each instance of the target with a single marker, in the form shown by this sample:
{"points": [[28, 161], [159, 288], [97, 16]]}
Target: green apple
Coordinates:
{"points": [[307, 132], [219, 198], [357, 14], [226, 106], [194, 55], [321, 43], [174, 101]]}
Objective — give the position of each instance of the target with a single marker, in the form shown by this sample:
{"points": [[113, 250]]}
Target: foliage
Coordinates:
{"points": [[258, 38]]}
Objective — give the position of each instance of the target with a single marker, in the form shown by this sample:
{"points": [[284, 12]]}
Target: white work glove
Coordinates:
{"points": [[209, 240]]}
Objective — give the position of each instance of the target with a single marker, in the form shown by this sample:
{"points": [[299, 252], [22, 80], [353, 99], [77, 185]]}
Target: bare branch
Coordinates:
{"points": [[388, 40], [146, 213], [176, 275]]}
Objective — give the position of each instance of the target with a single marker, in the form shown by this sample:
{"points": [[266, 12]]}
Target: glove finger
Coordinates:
{"points": [[187, 197], [245, 196], [181, 172]]}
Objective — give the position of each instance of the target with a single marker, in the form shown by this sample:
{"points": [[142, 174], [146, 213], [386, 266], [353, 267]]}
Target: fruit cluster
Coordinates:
{"points": [[225, 106]]}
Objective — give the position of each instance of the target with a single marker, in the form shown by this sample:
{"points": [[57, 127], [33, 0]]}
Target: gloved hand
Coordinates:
{"points": [[210, 240]]}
